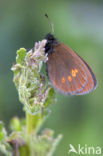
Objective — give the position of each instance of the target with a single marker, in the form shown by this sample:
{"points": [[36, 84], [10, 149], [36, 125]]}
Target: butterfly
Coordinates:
{"points": [[67, 71]]}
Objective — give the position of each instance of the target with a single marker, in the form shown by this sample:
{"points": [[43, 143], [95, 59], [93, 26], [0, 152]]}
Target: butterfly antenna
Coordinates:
{"points": [[51, 24]]}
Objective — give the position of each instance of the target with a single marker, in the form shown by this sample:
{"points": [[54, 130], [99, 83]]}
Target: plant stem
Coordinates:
{"points": [[30, 123], [33, 122]]}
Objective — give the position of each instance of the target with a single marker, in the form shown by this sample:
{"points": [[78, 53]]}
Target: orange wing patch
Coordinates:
{"points": [[74, 72], [69, 78], [63, 80]]}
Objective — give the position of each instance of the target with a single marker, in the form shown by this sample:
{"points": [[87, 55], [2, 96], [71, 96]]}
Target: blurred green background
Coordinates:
{"points": [[78, 24]]}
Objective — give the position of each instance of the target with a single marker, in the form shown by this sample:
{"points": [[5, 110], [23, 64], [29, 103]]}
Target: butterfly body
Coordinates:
{"points": [[67, 71]]}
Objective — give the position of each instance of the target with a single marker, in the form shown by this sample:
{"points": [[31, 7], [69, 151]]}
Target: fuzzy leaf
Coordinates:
{"points": [[50, 97], [21, 53]]}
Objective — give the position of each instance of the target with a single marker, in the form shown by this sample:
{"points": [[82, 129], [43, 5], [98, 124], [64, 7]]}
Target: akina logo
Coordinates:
{"points": [[83, 150]]}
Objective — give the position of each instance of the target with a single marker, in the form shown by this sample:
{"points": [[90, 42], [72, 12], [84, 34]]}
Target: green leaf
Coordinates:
{"points": [[50, 97], [2, 131], [21, 53], [15, 124]]}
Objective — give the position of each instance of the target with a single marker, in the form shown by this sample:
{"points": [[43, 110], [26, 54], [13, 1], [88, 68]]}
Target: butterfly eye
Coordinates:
{"points": [[63, 80], [69, 78]]}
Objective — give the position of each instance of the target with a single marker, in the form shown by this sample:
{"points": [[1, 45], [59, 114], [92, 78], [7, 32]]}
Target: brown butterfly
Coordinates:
{"points": [[67, 71]]}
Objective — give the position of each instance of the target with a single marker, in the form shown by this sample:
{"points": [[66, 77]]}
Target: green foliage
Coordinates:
{"points": [[16, 124], [2, 131], [36, 95], [21, 55], [50, 97], [4, 146], [30, 83], [33, 144]]}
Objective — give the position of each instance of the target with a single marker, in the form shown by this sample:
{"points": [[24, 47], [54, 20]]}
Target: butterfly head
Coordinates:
{"points": [[51, 43]]}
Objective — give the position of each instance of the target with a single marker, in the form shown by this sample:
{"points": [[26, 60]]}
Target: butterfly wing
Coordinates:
{"points": [[68, 72]]}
